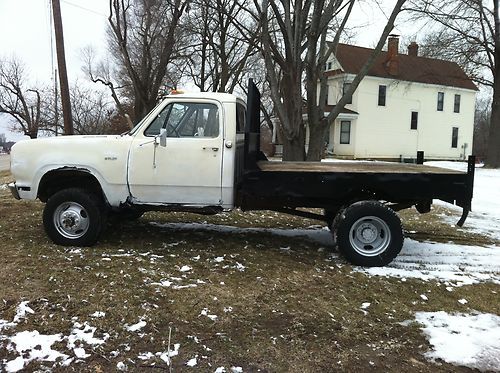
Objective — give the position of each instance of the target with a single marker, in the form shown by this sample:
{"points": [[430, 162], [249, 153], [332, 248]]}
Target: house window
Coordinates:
{"points": [[454, 137], [345, 132], [328, 66], [345, 89], [440, 103], [456, 104], [414, 120], [382, 90]]}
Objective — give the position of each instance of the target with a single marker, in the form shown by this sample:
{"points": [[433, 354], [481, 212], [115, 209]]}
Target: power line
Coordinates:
{"points": [[83, 8]]}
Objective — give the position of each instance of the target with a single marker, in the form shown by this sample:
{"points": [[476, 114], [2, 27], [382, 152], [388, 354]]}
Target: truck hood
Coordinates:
{"points": [[104, 155]]}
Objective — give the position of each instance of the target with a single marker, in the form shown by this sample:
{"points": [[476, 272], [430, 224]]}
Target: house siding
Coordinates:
{"points": [[384, 132]]}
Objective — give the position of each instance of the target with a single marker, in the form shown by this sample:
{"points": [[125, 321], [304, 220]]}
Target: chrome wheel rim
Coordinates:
{"points": [[71, 220], [370, 236]]}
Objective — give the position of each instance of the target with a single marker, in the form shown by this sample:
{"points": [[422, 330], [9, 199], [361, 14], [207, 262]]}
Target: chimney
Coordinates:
{"points": [[413, 49], [392, 61]]}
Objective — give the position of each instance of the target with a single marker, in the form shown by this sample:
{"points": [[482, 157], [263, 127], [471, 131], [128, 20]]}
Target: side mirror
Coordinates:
{"points": [[163, 137]]}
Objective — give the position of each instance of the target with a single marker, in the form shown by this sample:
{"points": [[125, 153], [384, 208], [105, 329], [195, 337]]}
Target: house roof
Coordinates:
{"points": [[411, 68]]}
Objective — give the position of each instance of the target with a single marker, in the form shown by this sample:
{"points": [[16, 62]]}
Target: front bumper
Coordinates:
{"points": [[14, 191]]}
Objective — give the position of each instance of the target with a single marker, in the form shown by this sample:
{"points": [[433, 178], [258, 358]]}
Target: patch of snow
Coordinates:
{"points": [[192, 362], [228, 309], [220, 370], [462, 301], [98, 314], [485, 215], [164, 283], [472, 340], [84, 333], [424, 297], [219, 259], [31, 345], [205, 312], [236, 370], [80, 353], [240, 267], [133, 328], [453, 264], [121, 366], [146, 356], [21, 311], [165, 356], [185, 269], [365, 305]]}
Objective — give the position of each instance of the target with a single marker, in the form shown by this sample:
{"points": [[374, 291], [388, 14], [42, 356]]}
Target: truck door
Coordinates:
{"points": [[188, 170]]}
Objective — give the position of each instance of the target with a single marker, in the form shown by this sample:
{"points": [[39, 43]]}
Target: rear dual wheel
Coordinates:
{"points": [[368, 234]]}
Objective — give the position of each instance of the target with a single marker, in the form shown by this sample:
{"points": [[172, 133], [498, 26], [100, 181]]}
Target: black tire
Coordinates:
{"points": [[369, 234], [74, 217]]}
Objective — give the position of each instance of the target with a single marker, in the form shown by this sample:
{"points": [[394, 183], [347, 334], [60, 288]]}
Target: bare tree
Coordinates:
{"points": [[482, 119], [317, 55], [468, 32], [294, 34], [144, 37], [223, 40], [21, 103], [93, 113], [103, 72]]}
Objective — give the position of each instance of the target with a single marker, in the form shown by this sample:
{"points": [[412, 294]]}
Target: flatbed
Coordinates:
{"points": [[353, 167]]}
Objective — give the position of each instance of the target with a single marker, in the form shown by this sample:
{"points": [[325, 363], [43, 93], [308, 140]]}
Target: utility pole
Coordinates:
{"points": [[61, 63], [56, 100]]}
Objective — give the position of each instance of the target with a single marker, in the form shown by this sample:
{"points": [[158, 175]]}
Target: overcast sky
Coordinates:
{"points": [[25, 31]]}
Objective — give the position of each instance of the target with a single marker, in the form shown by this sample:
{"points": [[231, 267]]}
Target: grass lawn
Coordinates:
{"points": [[231, 298]]}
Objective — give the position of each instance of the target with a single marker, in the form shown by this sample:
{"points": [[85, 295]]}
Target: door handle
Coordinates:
{"points": [[209, 147]]}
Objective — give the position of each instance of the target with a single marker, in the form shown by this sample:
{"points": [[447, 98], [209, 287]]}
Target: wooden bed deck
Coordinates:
{"points": [[353, 167]]}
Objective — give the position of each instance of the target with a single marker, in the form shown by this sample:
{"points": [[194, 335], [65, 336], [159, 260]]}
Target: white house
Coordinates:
{"points": [[406, 103]]}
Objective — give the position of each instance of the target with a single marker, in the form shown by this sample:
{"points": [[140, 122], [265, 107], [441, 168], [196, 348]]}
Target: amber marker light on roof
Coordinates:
{"points": [[176, 91]]}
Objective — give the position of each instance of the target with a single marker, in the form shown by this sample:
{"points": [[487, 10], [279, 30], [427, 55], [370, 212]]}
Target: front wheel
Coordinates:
{"points": [[369, 234], [73, 217]]}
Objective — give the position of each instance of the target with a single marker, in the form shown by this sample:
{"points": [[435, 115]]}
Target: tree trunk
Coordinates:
{"points": [[293, 149], [317, 139], [493, 155]]}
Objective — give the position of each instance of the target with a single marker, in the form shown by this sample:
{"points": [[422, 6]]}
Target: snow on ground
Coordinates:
{"points": [[472, 340], [451, 263], [30, 345], [485, 215]]}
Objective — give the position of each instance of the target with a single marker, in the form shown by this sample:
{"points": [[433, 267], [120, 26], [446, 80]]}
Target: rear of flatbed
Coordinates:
{"points": [[359, 199]]}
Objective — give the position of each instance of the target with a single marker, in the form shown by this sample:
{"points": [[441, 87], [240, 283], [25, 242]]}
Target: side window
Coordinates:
{"points": [[414, 120], [345, 132], [187, 119], [382, 90], [456, 104], [154, 128], [454, 137], [345, 87], [440, 101]]}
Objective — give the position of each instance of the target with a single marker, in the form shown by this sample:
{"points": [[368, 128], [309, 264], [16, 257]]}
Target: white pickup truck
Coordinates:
{"points": [[201, 153]]}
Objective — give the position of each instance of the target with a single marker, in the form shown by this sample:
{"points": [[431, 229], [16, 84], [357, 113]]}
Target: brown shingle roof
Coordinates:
{"points": [[411, 68]]}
